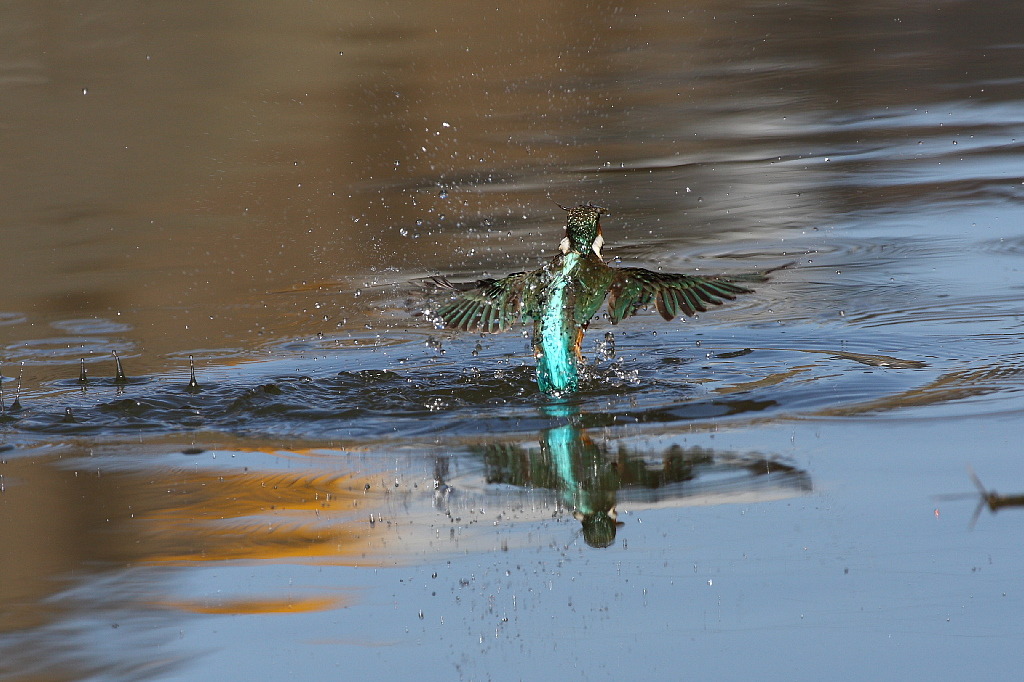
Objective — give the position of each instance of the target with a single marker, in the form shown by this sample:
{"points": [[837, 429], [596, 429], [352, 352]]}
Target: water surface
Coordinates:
{"points": [[769, 491]]}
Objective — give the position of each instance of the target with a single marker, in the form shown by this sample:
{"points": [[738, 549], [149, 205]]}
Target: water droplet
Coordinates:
{"points": [[606, 348]]}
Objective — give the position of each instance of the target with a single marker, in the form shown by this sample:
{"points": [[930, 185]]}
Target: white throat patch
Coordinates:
{"points": [[565, 246]]}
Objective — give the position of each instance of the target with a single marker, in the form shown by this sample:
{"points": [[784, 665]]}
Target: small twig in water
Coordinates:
{"points": [[990, 498], [119, 377], [193, 385]]}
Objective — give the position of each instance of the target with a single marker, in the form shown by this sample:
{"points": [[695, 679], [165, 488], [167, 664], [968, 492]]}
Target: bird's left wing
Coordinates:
{"points": [[493, 305], [672, 294]]}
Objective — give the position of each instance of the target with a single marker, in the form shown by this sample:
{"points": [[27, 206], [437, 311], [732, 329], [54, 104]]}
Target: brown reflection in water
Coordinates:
{"points": [[62, 527], [255, 606], [168, 166], [219, 516]]}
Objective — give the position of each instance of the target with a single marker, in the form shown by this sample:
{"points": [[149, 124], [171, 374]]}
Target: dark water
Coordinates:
{"points": [[772, 491]]}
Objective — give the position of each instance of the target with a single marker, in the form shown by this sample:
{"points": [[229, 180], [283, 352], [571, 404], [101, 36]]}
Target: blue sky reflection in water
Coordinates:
{"points": [[767, 492]]}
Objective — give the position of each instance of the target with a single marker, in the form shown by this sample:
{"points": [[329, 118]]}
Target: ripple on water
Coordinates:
{"points": [[848, 255], [940, 314], [226, 356], [469, 386], [1005, 246], [90, 325], [332, 342], [67, 348], [7, 318]]}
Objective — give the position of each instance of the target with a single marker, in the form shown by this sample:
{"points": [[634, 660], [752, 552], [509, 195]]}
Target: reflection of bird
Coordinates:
{"points": [[564, 295], [592, 478], [588, 481]]}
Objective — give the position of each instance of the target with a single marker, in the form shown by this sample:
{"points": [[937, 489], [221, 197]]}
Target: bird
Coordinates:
{"points": [[563, 296]]}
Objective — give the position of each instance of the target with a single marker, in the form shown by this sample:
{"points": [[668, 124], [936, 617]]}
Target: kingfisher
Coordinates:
{"points": [[562, 297]]}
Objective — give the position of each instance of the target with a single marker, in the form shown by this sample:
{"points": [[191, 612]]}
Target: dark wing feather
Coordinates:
{"points": [[492, 306], [672, 294]]}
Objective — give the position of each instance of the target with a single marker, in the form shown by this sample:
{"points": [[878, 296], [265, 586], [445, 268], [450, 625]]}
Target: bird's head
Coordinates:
{"points": [[583, 230]]}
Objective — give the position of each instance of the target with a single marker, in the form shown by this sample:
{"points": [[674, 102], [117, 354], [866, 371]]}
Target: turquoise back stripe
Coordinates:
{"points": [[555, 334]]}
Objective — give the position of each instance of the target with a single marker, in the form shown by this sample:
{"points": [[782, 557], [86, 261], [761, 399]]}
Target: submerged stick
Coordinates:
{"points": [[16, 405], [193, 385], [119, 377]]}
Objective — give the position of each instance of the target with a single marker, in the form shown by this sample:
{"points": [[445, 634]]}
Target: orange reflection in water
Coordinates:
{"points": [[260, 515], [260, 606], [69, 524]]}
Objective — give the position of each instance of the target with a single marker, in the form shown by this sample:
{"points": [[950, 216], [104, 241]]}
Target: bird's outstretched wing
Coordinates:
{"points": [[493, 305], [672, 294]]}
